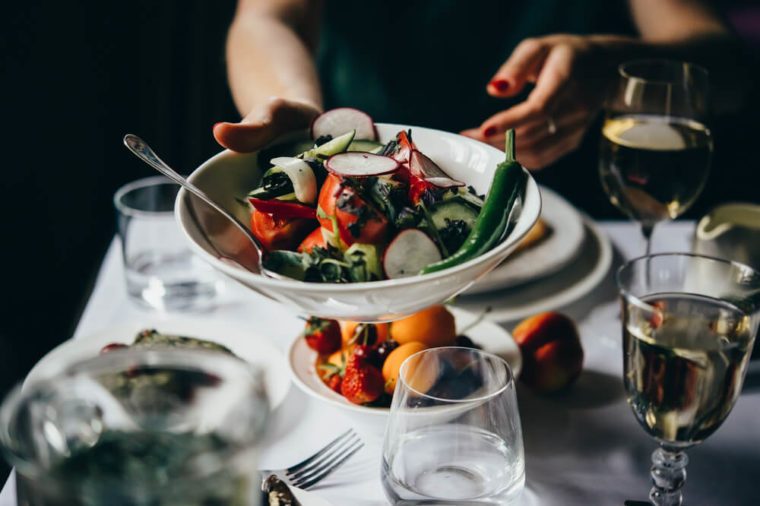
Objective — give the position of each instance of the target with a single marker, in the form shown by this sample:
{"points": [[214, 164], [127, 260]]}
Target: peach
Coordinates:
{"points": [[393, 363], [551, 351], [433, 326]]}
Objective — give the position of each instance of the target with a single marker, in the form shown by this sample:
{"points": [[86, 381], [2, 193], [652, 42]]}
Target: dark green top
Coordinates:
{"points": [[427, 62]]}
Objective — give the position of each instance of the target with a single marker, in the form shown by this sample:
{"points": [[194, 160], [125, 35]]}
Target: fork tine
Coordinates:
{"points": [[328, 468], [321, 452], [324, 457]]}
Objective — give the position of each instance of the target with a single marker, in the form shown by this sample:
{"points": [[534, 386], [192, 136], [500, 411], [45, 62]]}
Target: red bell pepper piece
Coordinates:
{"points": [[283, 210]]}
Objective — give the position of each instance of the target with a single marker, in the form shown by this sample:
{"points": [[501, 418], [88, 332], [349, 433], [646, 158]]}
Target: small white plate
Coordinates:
{"points": [[564, 287], [551, 254], [491, 337], [247, 345], [308, 498]]}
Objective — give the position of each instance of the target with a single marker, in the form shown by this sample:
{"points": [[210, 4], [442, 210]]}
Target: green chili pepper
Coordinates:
{"points": [[507, 186]]}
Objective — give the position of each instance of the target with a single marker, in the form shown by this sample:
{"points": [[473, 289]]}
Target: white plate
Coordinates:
{"points": [[550, 255], [247, 345], [566, 286], [490, 336], [308, 498]]}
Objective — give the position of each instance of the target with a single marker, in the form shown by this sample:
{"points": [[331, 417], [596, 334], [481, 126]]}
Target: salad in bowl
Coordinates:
{"points": [[365, 221]]}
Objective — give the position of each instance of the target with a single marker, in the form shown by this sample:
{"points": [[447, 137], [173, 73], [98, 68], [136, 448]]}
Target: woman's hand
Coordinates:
{"points": [[265, 123], [571, 77]]}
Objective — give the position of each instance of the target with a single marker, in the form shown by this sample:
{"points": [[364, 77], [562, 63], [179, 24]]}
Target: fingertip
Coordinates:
{"points": [[489, 131], [499, 85]]}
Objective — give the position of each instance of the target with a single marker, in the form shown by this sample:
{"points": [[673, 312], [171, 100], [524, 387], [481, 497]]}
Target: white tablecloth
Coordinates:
{"points": [[583, 448]]}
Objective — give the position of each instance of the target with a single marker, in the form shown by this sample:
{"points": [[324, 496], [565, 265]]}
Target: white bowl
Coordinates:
{"points": [[302, 363], [229, 175]]}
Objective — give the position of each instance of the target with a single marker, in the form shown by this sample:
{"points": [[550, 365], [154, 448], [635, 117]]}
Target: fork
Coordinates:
{"points": [[314, 469]]}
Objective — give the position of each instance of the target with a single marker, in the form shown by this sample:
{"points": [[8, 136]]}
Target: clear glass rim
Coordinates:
{"points": [[628, 295], [624, 70], [139, 184], [234, 369], [510, 379]]}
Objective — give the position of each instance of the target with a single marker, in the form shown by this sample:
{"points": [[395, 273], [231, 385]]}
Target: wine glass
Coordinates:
{"points": [[655, 150], [453, 436], [689, 323]]}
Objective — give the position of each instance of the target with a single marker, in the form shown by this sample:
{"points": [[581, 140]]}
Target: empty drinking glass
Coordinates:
{"points": [[454, 434], [161, 271]]}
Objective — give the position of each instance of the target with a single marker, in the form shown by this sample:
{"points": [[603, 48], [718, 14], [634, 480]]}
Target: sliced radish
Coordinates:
{"points": [[423, 167], [358, 164], [408, 253], [444, 182], [404, 147], [338, 121], [300, 174]]}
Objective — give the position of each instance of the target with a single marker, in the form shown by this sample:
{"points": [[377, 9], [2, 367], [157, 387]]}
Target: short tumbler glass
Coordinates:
{"points": [[161, 271], [139, 428], [454, 434]]}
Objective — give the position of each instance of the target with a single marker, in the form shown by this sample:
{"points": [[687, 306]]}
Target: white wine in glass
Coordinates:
{"points": [[655, 150], [689, 324]]}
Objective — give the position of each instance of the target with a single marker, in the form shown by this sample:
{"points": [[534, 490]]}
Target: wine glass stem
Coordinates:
{"points": [[668, 476]]}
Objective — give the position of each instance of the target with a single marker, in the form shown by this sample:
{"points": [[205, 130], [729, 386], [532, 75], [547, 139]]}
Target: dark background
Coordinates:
{"points": [[76, 76]]}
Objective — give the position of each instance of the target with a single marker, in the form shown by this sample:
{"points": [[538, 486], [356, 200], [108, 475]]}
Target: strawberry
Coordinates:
{"points": [[331, 371], [322, 336], [335, 382], [362, 382]]}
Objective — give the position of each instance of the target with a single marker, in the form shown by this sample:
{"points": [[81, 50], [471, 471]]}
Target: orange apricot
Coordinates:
{"points": [[433, 326]]}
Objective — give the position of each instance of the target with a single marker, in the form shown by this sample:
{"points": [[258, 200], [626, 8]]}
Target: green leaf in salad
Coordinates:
{"points": [[287, 263], [454, 233], [274, 183], [408, 217], [323, 139], [360, 262], [388, 195]]}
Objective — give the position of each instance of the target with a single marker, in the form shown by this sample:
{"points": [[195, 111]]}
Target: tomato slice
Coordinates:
{"points": [[357, 220], [315, 239], [279, 233], [328, 195]]}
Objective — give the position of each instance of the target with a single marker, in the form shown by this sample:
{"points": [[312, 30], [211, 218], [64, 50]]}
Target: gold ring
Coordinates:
{"points": [[551, 126]]}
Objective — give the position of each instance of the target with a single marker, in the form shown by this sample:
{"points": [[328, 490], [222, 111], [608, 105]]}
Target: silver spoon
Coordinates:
{"points": [[144, 152]]}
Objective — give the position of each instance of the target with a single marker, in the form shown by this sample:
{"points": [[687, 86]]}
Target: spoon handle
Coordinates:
{"points": [[144, 152]]}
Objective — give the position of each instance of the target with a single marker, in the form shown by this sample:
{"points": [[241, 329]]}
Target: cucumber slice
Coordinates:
{"points": [[470, 198], [288, 197], [365, 146], [364, 261], [333, 147], [454, 209]]}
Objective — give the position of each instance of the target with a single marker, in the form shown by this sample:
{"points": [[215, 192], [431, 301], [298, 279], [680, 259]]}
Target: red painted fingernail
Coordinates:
{"points": [[488, 132], [216, 125], [500, 84]]}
